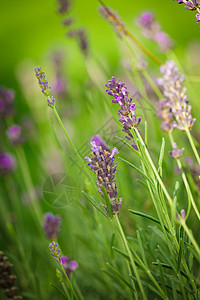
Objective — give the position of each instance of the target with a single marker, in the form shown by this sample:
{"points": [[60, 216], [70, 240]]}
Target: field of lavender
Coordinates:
{"points": [[100, 150]]}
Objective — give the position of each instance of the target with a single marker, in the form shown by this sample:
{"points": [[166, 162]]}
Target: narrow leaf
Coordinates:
{"points": [[180, 253], [137, 169], [127, 144], [95, 204], [162, 150], [141, 248], [148, 217]]}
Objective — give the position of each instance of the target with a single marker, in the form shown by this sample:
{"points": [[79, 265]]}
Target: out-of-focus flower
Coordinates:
{"points": [[99, 142], [63, 6], [101, 164], [51, 226], [173, 110], [81, 37], [113, 19], [14, 134], [151, 30], [6, 102], [7, 163], [176, 153], [119, 91], [60, 84], [45, 88], [68, 22], [69, 265]]}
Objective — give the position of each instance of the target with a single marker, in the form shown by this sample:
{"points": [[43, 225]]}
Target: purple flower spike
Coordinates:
{"points": [[151, 30], [173, 110], [69, 265], [176, 153], [102, 164], [51, 226], [44, 85], [192, 5], [14, 135], [100, 142], [118, 90], [55, 251], [7, 163]]}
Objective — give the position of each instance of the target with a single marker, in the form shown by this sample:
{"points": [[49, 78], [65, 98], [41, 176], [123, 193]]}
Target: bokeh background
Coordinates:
{"points": [[31, 32]]}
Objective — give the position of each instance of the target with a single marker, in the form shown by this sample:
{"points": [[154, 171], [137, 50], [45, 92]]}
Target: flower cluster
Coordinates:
{"points": [[63, 6], [176, 153], [55, 251], [192, 5], [81, 37], [99, 142], [174, 110], [51, 226], [151, 30], [119, 91], [69, 265], [113, 19], [7, 163], [6, 102], [8, 279], [101, 164], [45, 88]]}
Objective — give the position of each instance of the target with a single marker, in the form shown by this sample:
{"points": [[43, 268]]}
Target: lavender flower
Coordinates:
{"points": [[198, 18], [176, 153], [69, 265], [174, 110], [101, 164], [7, 163], [119, 91], [51, 226], [113, 19], [151, 30], [6, 102], [81, 37], [45, 88], [100, 142], [192, 5], [55, 251], [64, 6], [14, 134]]}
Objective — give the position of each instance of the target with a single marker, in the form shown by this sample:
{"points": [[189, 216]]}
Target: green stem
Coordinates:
{"points": [[190, 196], [68, 281], [192, 144], [130, 255], [190, 235]]}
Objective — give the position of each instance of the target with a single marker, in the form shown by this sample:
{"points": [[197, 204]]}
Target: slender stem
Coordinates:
{"points": [[28, 180], [127, 33], [66, 292], [68, 281], [190, 235], [130, 255], [190, 196], [154, 169], [192, 144]]}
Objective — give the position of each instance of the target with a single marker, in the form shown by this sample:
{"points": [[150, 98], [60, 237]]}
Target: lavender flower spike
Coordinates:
{"points": [[174, 110], [119, 91], [14, 134], [45, 88], [7, 163], [55, 251], [101, 164], [51, 226], [176, 153]]}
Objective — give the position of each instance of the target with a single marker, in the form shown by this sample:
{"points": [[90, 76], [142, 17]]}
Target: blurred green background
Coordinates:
{"points": [[29, 28]]}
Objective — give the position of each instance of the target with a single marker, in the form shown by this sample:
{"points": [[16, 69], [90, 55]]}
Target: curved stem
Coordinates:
{"points": [[192, 144]]}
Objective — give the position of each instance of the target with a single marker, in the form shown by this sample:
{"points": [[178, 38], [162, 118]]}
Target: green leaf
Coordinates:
{"points": [[121, 277], [127, 144], [175, 296], [180, 253], [141, 248], [111, 244], [52, 284], [162, 150], [166, 266], [108, 203], [138, 170], [148, 285], [95, 204], [162, 277], [146, 134], [148, 217]]}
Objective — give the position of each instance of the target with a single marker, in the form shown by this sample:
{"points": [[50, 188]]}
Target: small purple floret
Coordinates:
{"points": [[51, 226]]}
